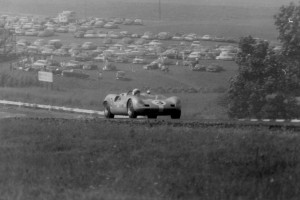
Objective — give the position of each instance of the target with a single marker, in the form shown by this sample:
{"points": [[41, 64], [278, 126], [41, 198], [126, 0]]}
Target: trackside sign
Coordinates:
{"points": [[45, 76]]}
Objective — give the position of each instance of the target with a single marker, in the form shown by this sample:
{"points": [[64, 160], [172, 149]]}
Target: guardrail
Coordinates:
{"points": [[50, 107], [270, 120]]}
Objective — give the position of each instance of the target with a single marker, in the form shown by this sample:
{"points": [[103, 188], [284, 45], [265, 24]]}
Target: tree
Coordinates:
{"points": [[266, 84], [288, 25]]}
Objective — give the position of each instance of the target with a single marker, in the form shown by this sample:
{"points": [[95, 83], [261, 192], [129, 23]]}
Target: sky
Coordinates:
{"points": [[258, 3]]}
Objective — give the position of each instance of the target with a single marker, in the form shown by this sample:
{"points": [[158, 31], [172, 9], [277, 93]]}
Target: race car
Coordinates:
{"points": [[134, 103]]}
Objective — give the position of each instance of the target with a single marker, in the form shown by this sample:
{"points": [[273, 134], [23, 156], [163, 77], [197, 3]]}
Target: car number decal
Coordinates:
{"points": [[160, 104]]}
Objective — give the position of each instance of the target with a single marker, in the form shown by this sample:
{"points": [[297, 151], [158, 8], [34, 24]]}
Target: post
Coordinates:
{"points": [[159, 10], [85, 9]]}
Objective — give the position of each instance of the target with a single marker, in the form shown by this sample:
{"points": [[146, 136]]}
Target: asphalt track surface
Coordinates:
{"points": [[19, 113]]}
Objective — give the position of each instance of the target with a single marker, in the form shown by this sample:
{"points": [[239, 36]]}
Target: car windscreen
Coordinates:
{"points": [[157, 97]]}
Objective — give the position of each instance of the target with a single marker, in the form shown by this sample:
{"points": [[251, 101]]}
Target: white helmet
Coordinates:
{"points": [[136, 91]]}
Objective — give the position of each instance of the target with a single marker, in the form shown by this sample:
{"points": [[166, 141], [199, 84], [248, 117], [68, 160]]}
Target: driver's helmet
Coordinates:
{"points": [[136, 91]]}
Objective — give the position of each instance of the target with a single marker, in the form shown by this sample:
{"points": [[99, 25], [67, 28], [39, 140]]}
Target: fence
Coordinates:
{"points": [[50, 107]]}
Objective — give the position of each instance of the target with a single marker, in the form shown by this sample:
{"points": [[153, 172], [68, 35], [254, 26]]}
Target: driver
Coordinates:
{"points": [[136, 92]]}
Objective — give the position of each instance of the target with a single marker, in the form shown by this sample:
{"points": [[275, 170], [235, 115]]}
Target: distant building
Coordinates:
{"points": [[67, 17]]}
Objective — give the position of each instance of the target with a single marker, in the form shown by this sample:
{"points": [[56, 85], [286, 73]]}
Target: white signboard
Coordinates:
{"points": [[45, 76]]}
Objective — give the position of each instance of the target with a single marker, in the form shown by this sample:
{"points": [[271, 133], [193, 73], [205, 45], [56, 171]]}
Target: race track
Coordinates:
{"points": [[21, 113]]}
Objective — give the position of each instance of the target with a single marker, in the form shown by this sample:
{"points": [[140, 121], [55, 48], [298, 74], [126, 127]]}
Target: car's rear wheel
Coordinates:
{"points": [[107, 112], [152, 116], [130, 110], [176, 114]]}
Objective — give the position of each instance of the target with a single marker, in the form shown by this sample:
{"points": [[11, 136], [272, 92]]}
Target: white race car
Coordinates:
{"points": [[134, 103]]}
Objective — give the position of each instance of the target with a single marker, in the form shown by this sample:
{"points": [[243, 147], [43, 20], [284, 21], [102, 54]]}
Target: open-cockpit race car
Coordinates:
{"points": [[134, 103]]}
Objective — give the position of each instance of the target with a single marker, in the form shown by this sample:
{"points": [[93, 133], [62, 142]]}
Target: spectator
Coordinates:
{"points": [[99, 75]]}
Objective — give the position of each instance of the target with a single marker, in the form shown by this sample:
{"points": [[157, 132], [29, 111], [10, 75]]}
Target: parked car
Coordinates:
{"points": [[99, 24], [189, 62], [102, 35], [107, 41], [118, 20], [56, 43], [111, 25], [135, 35], [151, 66], [72, 64], [83, 56], [197, 67], [89, 46], [72, 28], [54, 69], [149, 36], [62, 29], [194, 55], [138, 61], [33, 50], [178, 38], [120, 75], [27, 26], [99, 58], [207, 37], [20, 31], [138, 22], [61, 52], [121, 59], [125, 33], [164, 36], [39, 64], [39, 42], [214, 68], [90, 66], [114, 35], [31, 32], [47, 51], [128, 22], [79, 34], [109, 67]]}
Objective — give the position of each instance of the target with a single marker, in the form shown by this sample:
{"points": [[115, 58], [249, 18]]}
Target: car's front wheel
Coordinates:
{"points": [[107, 112], [176, 114], [130, 110]]}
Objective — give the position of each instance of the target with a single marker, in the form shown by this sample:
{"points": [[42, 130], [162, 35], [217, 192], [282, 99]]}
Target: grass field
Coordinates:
{"points": [[72, 159]]}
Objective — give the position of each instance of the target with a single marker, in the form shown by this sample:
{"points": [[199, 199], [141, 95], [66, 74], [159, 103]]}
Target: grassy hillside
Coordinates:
{"points": [[61, 159]]}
